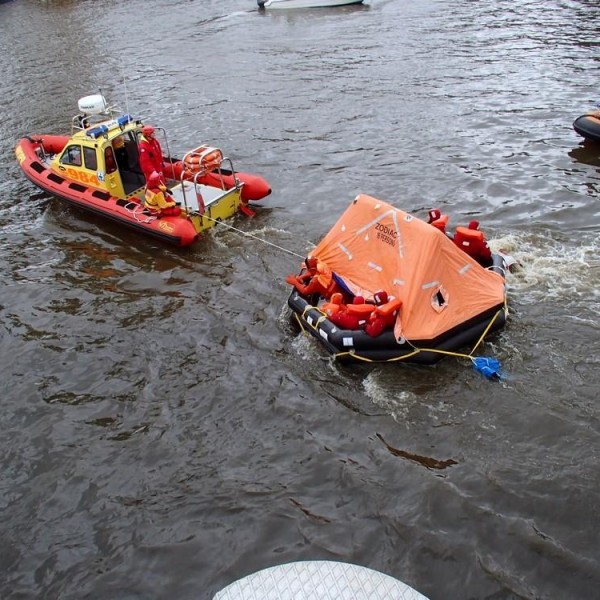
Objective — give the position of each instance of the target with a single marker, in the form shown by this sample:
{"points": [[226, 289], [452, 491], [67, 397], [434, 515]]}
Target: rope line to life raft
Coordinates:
{"points": [[251, 235]]}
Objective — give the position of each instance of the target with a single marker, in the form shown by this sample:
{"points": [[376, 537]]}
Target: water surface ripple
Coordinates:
{"points": [[165, 429]]}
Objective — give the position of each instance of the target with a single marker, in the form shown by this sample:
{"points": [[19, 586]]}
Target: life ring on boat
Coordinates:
{"points": [[203, 158]]}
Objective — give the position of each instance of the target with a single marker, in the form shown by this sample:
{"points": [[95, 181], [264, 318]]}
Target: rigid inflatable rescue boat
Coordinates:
{"points": [[588, 126], [438, 298], [97, 167]]}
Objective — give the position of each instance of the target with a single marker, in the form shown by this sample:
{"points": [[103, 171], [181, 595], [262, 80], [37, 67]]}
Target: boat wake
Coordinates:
{"points": [[551, 269]]}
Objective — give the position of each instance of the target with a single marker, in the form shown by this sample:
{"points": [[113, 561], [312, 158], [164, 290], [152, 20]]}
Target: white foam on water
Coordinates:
{"points": [[305, 347], [550, 268], [395, 402]]}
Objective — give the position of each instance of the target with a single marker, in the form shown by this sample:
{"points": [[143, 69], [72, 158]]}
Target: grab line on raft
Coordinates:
{"points": [[397, 358]]}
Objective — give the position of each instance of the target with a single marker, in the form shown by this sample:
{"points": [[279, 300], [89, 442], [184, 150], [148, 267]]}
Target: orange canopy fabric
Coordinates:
{"points": [[374, 246]]}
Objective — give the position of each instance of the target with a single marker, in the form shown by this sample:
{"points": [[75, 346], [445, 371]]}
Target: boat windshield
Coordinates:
{"points": [[71, 156]]}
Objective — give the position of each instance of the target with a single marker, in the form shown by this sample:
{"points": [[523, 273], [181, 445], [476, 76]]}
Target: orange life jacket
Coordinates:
{"points": [[352, 316], [440, 223], [383, 317], [472, 241]]}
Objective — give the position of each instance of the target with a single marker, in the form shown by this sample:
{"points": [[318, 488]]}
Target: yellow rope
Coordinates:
{"points": [[484, 333], [416, 351]]}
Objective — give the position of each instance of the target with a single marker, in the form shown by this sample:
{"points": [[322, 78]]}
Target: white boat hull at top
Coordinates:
{"points": [[285, 4]]}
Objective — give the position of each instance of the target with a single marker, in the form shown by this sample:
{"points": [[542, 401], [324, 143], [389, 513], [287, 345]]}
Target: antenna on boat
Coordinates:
{"points": [[124, 85]]}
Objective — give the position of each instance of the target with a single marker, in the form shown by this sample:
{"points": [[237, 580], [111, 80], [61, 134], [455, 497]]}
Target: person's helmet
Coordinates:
{"points": [[358, 300], [474, 225], [118, 142], [148, 130], [434, 214], [311, 262], [381, 297], [155, 179]]}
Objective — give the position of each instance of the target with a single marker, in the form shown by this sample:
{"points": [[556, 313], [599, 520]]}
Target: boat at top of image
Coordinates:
{"points": [[97, 167], [388, 286], [588, 126], [287, 4]]}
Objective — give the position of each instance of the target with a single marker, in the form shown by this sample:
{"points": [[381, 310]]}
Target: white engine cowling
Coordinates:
{"points": [[92, 105]]}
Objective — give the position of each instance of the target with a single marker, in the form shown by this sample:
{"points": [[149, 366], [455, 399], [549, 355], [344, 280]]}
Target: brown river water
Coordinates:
{"points": [[166, 431]]}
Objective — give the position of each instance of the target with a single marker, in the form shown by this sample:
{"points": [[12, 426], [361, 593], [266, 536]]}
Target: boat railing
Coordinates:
{"points": [[83, 121], [197, 184]]}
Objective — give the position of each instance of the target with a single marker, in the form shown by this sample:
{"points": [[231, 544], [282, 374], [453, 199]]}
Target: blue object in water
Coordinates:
{"points": [[490, 367]]}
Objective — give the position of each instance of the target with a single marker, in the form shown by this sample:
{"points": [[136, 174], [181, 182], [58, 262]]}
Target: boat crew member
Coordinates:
{"points": [[151, 157], [472, 241], [384, 315], [121, 155], [317, 279], [158, 200]]}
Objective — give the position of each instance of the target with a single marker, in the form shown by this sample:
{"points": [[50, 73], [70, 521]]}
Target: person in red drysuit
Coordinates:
{"points": [[352, 316], [316, 279], [437, 219], [151, 158], [472, 241], [434, 214], [384, 315], [158, 200]]}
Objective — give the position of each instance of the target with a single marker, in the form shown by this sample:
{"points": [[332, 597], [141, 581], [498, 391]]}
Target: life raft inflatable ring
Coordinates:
{"points": [[203, 158]]}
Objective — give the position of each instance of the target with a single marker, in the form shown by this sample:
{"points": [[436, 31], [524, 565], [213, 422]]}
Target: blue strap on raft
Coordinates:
{"points": [[490, 367]]}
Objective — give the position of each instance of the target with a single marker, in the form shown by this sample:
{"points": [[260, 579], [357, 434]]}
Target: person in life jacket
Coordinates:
{"points": [[437, 219], [158, 200], [384, 314], [472, 241], [151, 157], [315, 279], [349, 316], [121, 155]]}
